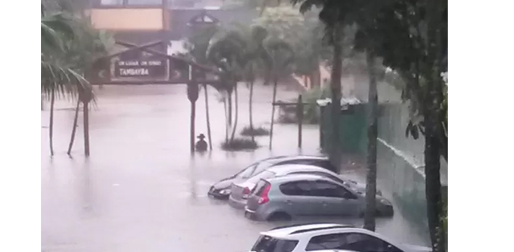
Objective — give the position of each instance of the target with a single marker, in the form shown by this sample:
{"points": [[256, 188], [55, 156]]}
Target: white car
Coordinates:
{"points": [[328, 237]]}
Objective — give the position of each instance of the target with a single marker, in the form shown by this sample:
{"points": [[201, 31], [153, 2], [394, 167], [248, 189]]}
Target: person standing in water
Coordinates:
{"points": [[201, 145]]}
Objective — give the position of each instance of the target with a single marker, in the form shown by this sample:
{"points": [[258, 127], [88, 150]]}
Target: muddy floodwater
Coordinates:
{"points": [[140, 190]]}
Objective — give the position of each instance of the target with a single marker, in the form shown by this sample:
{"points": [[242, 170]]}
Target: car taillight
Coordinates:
{"points": [[264, 195], [246, 193]]}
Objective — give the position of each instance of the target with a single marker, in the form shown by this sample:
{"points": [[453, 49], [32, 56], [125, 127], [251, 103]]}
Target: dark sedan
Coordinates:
{"points": [[221, 190]]}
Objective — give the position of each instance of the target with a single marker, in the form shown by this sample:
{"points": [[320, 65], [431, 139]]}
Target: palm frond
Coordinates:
{"points": [[65, 81]]}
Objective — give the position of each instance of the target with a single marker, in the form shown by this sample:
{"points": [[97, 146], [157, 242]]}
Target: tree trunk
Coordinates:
{"points": [[433, 116], [275, 84], [236, 113], [192, 127], [250, 108], [207, 116], [267, 77], [51, 124], [86, 128], [226, 119], [230, 109], [371, 176], [335, 76], [74, 130], [315, 78], [433, 186]]}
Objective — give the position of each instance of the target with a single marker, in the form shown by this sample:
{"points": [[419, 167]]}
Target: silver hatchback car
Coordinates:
{"points": [[241, 191], [286, 197]]}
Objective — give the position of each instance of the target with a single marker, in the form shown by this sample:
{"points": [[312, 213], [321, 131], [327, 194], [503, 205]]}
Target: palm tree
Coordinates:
{"points": [[68, 48], [226, 51], [281, 55], [207, 116], [56, 77], [256, 57], [197, 45]]}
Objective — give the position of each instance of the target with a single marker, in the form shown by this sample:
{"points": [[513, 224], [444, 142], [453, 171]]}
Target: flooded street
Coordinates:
{"points": [[140, 190]]}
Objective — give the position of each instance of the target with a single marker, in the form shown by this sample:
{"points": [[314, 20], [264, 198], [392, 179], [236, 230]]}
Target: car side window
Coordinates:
{"points": [[322, 242], [295, 161], [324, 164], [327, 189], [297, 188], [350, 241], [364, 242]]}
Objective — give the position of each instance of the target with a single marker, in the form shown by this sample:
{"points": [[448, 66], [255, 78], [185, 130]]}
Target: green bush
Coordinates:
{"points": [[256, 131], [239, 144]]}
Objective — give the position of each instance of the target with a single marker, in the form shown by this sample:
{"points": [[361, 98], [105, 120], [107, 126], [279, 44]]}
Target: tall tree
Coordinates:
{"points": [[58, 78], [256, 57], [303, 32], [412, 38], [197, 45], [282, 57], [227, 52], [335, 15], [367, 37]]}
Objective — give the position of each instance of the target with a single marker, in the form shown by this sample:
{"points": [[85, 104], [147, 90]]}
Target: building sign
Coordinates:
{"points": [[148, 68]]}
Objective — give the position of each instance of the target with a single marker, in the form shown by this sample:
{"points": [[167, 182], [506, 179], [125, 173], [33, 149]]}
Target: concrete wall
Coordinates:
{"points": [[127, 19]]}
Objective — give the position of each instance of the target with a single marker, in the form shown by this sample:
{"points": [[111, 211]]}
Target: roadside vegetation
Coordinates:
{"points": [[238, 144], [258, 131]]}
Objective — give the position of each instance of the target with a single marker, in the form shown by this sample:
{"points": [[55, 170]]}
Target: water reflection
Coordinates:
{"points": [[87, 203], [192, 178]]}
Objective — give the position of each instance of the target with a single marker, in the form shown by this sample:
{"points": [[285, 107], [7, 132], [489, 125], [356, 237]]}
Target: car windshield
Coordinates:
{"points": [[246, 172], [271, 244], [262, 175], [256, 167]]}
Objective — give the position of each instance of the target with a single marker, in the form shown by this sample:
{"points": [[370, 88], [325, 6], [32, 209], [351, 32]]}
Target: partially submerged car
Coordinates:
{"points": [[295, 195], [222, 189], [241, 191]]}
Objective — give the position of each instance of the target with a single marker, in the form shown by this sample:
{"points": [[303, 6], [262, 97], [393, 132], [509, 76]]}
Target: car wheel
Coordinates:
{"points": [[279, 216]]}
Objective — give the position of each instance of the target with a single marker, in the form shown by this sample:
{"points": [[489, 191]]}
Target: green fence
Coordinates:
{"points": [[352, 133], [399, 159]]}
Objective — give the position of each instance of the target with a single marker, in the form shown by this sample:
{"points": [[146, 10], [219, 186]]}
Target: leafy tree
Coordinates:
{"points": [[282, 57], [227, 52], [256, 57], [413, 42], [330, 15], [303, 32], [411, 37]]}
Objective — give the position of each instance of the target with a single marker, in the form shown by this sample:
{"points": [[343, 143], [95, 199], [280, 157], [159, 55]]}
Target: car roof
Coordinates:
{"points": [[296, 177], [302, 228], [333, 250], [281, 170], [319, 157], [293, 157]]}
